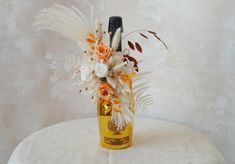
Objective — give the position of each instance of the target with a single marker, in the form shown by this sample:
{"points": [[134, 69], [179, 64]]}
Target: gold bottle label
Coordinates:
{"points": [[110, 137], [116, 141]]}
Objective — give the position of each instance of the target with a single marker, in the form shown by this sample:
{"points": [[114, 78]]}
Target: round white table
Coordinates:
{"points": [[154, 142]]}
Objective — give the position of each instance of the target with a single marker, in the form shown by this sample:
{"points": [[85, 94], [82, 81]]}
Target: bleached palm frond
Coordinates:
{"points": [[140, 94], [140, 76], [140, 87], [71, 62], [141, 84], [143, 101], [69, 22], [147, 105], [141, 98], [116, 39], [141, 90]]}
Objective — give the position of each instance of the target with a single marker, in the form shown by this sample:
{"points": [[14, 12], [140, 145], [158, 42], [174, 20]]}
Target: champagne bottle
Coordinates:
{"points": [[115, 22], [110, 137]]}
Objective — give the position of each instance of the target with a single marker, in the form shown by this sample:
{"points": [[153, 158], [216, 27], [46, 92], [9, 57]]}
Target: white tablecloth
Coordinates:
{"points": [[154, 142]]}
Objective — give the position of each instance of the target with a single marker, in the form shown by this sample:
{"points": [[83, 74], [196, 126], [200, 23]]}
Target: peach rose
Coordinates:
{"points": [[105, 90], [103, 52]]}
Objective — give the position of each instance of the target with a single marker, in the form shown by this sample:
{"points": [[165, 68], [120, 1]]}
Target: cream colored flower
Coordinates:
{"points": [[101, 70]]}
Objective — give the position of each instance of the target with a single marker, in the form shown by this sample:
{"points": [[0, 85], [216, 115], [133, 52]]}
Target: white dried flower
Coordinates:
{"points": [[101, 70]]}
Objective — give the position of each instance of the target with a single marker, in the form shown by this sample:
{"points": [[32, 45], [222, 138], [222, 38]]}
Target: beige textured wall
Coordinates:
{"points": [[193, 83]]}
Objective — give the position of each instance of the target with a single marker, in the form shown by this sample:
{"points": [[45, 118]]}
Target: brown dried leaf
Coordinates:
{"points": [[131, 45], [161, 41], [143, 35], [138, 47], [152, 32], [157, 37], [165, 45]]}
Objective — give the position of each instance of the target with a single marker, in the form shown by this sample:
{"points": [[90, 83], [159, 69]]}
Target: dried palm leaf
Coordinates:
{"points": [[71, 62], [69, 22]]}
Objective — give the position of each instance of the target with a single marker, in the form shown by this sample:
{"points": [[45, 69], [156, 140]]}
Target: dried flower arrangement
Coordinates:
{"points": [[102, 71]]}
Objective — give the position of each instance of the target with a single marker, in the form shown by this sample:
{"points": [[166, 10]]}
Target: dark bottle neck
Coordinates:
{"points": [[115, 22]]}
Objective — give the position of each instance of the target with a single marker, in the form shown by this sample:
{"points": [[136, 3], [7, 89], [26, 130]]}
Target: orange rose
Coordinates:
{"points": [[103, 52], [105, 90]]}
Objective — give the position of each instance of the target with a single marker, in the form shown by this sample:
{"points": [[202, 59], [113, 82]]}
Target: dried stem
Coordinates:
{"points": [[140, 30], [144, 30]]}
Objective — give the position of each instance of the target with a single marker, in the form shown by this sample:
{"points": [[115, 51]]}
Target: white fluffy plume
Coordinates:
{"points": [[116, 39], [69, 22]]}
